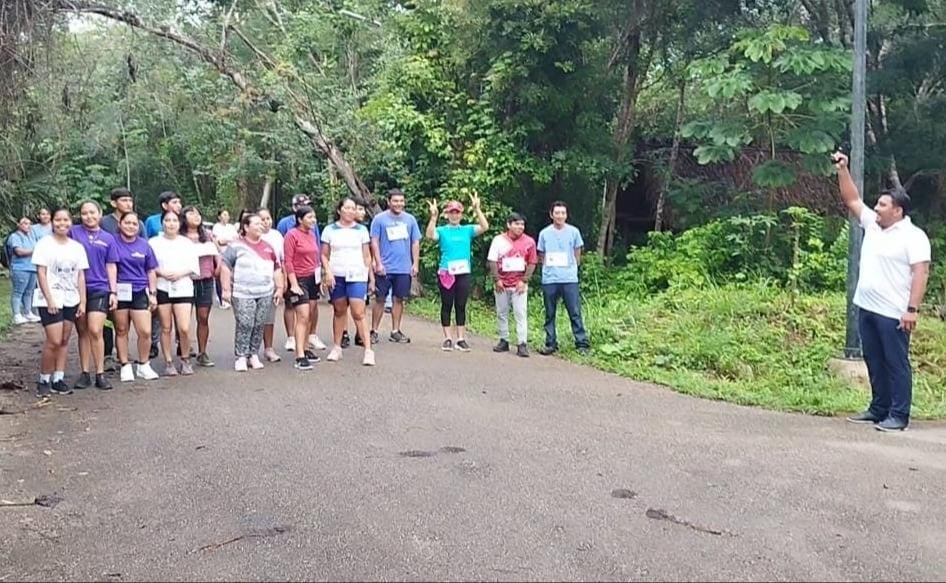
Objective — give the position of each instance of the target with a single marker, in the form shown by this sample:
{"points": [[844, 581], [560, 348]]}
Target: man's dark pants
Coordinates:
{"points": [[887, 354], [569, 292]]}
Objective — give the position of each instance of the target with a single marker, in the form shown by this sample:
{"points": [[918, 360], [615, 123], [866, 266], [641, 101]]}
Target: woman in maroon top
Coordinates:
{"points": [[193, 228], [301, 258]]}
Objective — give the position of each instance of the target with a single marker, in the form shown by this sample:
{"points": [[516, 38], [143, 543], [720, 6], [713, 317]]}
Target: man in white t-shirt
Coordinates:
{"points": [[894, 268]]}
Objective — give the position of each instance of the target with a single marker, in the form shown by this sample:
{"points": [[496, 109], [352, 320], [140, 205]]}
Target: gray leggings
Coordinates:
{"points": [[251, 314]]}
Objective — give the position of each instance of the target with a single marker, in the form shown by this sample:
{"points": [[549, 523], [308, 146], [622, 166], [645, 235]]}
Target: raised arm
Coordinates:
{"points": [[849, 194], [482, 225], [432, 223]]}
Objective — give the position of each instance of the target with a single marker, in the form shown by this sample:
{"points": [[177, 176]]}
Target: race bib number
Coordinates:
{"points": [[397, 232], [177, 289], [458, 267], [204, 249], [39, 298], [514, 264], [124, 292], [357, 275], [556, 259]]}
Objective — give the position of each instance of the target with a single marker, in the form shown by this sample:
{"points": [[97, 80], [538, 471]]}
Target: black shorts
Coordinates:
{"points": [[164, 299], [96, 302], [139, 301], [204, 292], [65, 314], [398, 283], [310, 292]]}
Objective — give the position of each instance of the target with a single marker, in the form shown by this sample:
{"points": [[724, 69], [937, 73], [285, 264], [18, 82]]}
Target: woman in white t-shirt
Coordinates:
{"points": [[178, 262], [347, 273], [224, 232], [60, 297], [275, 240]]}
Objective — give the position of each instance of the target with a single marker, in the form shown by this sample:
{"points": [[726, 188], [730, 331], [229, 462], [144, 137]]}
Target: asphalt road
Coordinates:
{"points": [[435, 466]]}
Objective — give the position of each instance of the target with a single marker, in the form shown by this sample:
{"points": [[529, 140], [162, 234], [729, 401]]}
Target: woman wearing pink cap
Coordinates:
{"points": [[456, 261]]}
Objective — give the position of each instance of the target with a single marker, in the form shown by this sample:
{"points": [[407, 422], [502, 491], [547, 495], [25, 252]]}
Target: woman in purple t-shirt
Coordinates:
{"points": [[100, 290], [137, 284]]}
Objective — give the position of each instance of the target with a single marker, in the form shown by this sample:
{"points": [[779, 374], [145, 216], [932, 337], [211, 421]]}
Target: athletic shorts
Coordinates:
{"points": [[164, 299], [96, 302], [65, 314], [139, 301], [204, 291], [398, 283], [356, 290], [310, 291]]}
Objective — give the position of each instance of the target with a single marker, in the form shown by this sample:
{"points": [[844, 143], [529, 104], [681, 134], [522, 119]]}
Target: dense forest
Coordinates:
{"points": [[691, 138]]}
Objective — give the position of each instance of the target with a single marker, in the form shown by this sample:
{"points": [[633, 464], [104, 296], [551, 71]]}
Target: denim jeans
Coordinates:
{"points": [[21, 298], [887, 354], [569, 292]]}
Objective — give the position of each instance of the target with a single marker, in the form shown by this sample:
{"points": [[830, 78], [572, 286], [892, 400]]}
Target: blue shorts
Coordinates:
{"points": [[355, 290], [399, 283]]}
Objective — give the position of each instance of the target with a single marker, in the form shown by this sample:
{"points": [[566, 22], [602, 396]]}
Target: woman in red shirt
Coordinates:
{"points": [[301, 257]]}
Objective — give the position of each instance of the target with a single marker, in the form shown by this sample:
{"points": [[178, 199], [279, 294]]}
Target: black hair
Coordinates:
{"points": [[129, 213], [59, 209], [558, 203], [301, 212], [89, 201], [341, 203], [202, 236], [515, 218], [169, 212], [245, 218], [220, 212], [120, 192], [166, 197], [395, 192], [900, 199]]}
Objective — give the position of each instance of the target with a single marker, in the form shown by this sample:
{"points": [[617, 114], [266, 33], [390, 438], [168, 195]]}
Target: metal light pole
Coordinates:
{"points": [[852, 344]]}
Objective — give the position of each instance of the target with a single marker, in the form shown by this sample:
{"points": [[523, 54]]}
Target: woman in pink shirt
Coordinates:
{"points": [[301, 257]]}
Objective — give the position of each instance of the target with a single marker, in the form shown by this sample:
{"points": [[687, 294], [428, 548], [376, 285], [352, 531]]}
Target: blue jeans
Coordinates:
{"points": [[887, 354], [21, 299], [551, 293]]}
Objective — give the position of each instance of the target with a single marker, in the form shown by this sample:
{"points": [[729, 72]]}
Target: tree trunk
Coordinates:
{"points": [[267, 192], [674, 153], [628, 53], [220, 60]]}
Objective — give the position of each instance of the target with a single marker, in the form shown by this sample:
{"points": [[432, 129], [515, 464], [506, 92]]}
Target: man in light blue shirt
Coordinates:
{"points": [[167, 201], [20, 246], [560, 246], [395, 245]]}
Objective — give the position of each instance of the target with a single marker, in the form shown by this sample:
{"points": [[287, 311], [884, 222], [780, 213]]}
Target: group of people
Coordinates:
{"points": [[108, 274]]}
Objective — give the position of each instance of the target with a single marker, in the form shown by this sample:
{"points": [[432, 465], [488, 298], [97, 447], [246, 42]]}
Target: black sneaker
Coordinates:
{"points": [[447, 345], [375, 339], [501, 346], [399, 337], [359, 341], [43, 390], [83, 382], [310, 357], [153, 353], [522, 350], [890, 424], [462, 346], [865, 418], [61, 388], [547, 350], [102, 383], [303, 364], [346, 339]]}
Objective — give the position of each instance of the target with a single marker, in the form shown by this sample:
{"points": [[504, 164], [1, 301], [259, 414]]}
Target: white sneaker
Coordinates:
{"points": [[290, 344], [316, 342], [33, 318], [369, 358], [225, 305], [271, 355], [20, 319], [146, 372], [335, 355], [240, 364], [255, 363], [128, 373]]}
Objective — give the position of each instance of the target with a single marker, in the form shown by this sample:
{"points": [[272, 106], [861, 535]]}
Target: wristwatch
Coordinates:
{"points": [[913, 310]]}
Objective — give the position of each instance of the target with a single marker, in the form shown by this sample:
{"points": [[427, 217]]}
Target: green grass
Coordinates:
{"points": [[6, 318], [752, 345]]}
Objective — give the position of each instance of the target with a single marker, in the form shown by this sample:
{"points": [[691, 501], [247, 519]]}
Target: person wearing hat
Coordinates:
{"points": [[285, 225], [453, 274]]}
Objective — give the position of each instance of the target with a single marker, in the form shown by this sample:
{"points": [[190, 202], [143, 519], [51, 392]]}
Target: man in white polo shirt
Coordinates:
{"points": [[895, 265]]}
